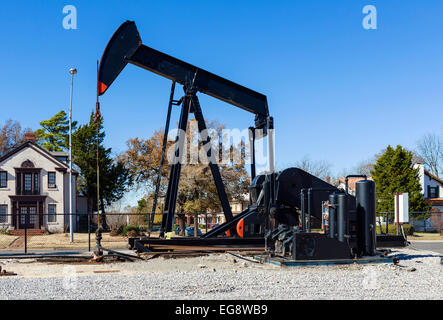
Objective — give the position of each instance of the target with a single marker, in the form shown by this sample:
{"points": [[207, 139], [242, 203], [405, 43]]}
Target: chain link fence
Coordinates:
{"points": [[421, 221], [30, 232]]}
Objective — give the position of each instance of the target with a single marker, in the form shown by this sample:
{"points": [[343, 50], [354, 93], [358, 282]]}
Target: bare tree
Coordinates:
{"points": [[11, 134], [430, 149], [318, 168], [365, 167]]}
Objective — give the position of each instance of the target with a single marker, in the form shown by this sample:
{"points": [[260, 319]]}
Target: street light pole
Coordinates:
{"points": [[72, 71]]}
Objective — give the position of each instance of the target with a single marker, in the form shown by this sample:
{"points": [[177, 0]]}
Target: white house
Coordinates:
{"points": [[432, 187], [352, 184], [34, 188]]}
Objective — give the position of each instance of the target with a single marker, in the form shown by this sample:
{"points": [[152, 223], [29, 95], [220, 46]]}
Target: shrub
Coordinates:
{"points": [[131, 231], [392, 229], [116, 231]]}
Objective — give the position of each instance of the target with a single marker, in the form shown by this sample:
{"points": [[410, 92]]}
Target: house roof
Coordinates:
{"points": [[30, 144], [60, 153], [435, 201], [352, 181], [430, 175]]}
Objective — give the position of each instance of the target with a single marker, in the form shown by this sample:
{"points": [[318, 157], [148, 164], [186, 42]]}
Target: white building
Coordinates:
{"points": [[432, 187], [34, 188]]}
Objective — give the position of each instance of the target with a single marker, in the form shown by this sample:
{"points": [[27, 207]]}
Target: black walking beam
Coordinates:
{"points": [[126, 47]]}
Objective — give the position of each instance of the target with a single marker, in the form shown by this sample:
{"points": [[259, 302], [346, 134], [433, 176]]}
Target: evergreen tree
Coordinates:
{"points": [[54, 134], [394, 173], [114, 177]]}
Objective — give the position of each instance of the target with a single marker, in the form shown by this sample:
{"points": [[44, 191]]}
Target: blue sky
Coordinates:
{"points": [[338, 92]]}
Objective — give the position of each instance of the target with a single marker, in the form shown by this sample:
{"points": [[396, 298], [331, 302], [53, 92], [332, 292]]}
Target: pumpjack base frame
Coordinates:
{"points": [[285, 262], [145, 245], [391, 241]]}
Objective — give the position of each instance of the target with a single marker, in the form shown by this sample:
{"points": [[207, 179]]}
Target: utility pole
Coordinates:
{"points": [[72, 71]]}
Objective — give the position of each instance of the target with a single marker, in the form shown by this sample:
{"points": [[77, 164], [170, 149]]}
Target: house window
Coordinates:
{"points": [[3, 179], [52, 210], [27, 183], [433, 192], [3, 213], [51, 180], [36, 183]]}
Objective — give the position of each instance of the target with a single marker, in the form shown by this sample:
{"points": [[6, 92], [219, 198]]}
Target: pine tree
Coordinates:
{"points": [[115, 179], [394, 173], [54, 134]]}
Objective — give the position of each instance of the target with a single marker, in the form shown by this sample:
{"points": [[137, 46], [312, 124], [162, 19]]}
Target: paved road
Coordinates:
{"points": [[436, 246]]}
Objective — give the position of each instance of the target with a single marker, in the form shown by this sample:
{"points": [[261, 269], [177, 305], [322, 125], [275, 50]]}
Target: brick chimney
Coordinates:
{"points": [[328, 179], [29, 136]]}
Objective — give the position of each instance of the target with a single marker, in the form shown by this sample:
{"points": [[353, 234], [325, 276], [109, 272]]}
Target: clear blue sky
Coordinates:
{"points": [[337, 92]]}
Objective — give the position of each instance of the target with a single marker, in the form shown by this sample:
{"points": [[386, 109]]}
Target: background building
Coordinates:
{"points": [[34, 188]]}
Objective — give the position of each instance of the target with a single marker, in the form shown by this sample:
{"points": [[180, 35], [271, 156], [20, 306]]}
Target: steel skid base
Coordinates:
{"points": [[391, 241], [216, 244], [286, 262], [308, 246]]}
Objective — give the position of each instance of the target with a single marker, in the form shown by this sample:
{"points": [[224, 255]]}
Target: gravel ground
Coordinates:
{"points": [[419, 275]]}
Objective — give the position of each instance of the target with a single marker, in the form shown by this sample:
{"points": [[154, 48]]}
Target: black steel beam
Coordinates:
{"points": [[174, 176], [228, 225], [222, 242], [205, 82], [126, 47], [212, 160]]}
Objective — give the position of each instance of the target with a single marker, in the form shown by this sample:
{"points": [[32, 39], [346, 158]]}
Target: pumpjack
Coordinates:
{"points": [[281, 203]]}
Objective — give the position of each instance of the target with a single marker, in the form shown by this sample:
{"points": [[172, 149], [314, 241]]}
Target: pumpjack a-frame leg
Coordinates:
{"points": [[174, 176], [212, 160], [191, 104]]}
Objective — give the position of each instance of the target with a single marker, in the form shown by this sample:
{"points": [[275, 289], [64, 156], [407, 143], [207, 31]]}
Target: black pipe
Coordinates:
{"points": [[252, 150], [342, 217], [366, 203], [333, 210], [310, 192], [303, 211], [309, 209]]}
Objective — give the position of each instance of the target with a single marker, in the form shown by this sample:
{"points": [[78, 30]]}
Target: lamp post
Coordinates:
{"points": [[72, 71]]}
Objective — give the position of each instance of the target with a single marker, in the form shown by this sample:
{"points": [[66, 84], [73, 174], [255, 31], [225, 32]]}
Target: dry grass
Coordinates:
{"points": [[425, 236], [62, 241], [6, 240]]}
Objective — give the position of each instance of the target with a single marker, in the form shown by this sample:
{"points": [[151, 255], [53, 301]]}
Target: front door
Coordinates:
{"points": [[27, 217]]}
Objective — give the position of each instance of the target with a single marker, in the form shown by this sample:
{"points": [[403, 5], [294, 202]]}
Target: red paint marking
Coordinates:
{"points": [[240, 226], [101, 87]]}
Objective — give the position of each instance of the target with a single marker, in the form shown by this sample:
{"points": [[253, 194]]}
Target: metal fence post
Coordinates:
{"points": [[89, 231], [26, 238]]}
